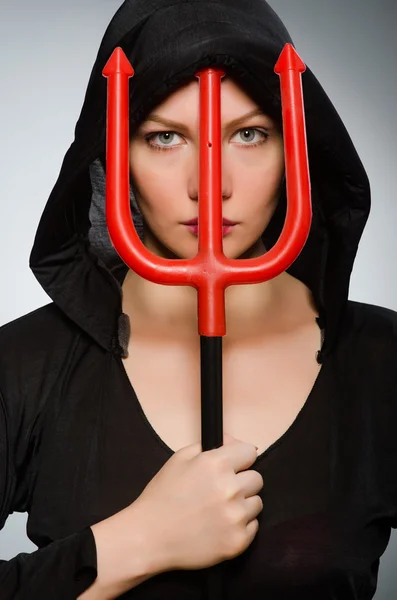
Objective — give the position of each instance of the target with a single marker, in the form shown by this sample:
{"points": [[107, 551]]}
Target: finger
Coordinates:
{"points": [[250, 483], [253, 507]]}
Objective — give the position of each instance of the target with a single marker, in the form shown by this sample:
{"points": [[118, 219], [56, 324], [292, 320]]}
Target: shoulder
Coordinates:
{"points": [[368, 338], [36, 339], [35, 328], [370, 320], [34, 350]]}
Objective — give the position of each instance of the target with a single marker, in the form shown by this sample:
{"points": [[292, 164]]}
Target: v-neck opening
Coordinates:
{"points": [[284, 436]]}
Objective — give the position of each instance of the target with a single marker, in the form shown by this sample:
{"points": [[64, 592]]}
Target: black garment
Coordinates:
{"points": [[79, 448], [75, 446]]}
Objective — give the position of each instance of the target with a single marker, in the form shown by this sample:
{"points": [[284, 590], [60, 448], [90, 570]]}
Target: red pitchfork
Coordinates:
{"points": [[210, 272]]}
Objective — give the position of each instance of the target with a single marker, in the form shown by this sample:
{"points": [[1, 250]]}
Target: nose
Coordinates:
{"points": [[193, 178]]}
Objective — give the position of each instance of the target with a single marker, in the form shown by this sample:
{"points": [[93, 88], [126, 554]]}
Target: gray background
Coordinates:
{"points": [[48, 49]]}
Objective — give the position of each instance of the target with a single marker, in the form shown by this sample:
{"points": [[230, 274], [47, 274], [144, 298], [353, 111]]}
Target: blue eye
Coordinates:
{"points": [[166, 134], [251, 131], [168, 137]]}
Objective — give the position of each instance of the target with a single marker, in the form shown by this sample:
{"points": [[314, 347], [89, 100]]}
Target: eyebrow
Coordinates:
{"points": [[175, 125]]}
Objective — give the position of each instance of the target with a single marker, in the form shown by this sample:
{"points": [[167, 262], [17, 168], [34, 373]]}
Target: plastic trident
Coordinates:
{"points": [[210, 271]]}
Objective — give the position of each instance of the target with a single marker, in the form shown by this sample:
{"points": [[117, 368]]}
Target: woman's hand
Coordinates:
{"points": [[201, 507]]}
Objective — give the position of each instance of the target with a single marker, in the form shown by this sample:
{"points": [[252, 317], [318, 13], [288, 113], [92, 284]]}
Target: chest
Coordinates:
{"points": [[325, 504], [265, 386]]}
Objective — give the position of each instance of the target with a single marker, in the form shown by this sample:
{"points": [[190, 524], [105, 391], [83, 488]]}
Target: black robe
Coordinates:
{"points": [[75, 444]]}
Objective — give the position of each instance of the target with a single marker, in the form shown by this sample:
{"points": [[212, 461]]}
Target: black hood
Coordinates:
{"points": [[166, 42]]}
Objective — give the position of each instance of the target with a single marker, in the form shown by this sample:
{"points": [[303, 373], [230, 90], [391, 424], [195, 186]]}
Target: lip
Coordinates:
{"points": [[194, 229], [225, 222]]}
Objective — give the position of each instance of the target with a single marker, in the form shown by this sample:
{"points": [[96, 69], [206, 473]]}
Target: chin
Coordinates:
{"points": [[188, 249], [254, 251]]}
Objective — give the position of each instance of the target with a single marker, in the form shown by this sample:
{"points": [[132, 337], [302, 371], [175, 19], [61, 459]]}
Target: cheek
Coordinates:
{"points": [[261, 185], [155, 187], [258, 171]]}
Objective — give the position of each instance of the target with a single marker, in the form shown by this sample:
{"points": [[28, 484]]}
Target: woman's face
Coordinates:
{"points": [[164, 162]]}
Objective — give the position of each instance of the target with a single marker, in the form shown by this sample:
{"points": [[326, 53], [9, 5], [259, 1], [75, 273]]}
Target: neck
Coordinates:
{"points": [[170, 312]]}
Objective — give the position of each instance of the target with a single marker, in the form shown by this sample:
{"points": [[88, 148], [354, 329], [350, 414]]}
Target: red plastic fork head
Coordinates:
{"points": [[210, 272]]}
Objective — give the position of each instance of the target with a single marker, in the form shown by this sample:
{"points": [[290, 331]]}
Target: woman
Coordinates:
{"points": [[100, 407]]}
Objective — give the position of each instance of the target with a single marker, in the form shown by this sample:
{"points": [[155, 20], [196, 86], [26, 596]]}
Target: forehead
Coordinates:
{"points": [[184, 101]]}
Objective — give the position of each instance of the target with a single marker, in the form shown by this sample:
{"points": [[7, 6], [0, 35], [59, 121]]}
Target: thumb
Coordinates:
{"points": [[227, 439]]}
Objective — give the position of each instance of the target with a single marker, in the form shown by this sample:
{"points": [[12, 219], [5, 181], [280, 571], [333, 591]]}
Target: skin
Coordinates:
{"points": [[164, 173]]}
